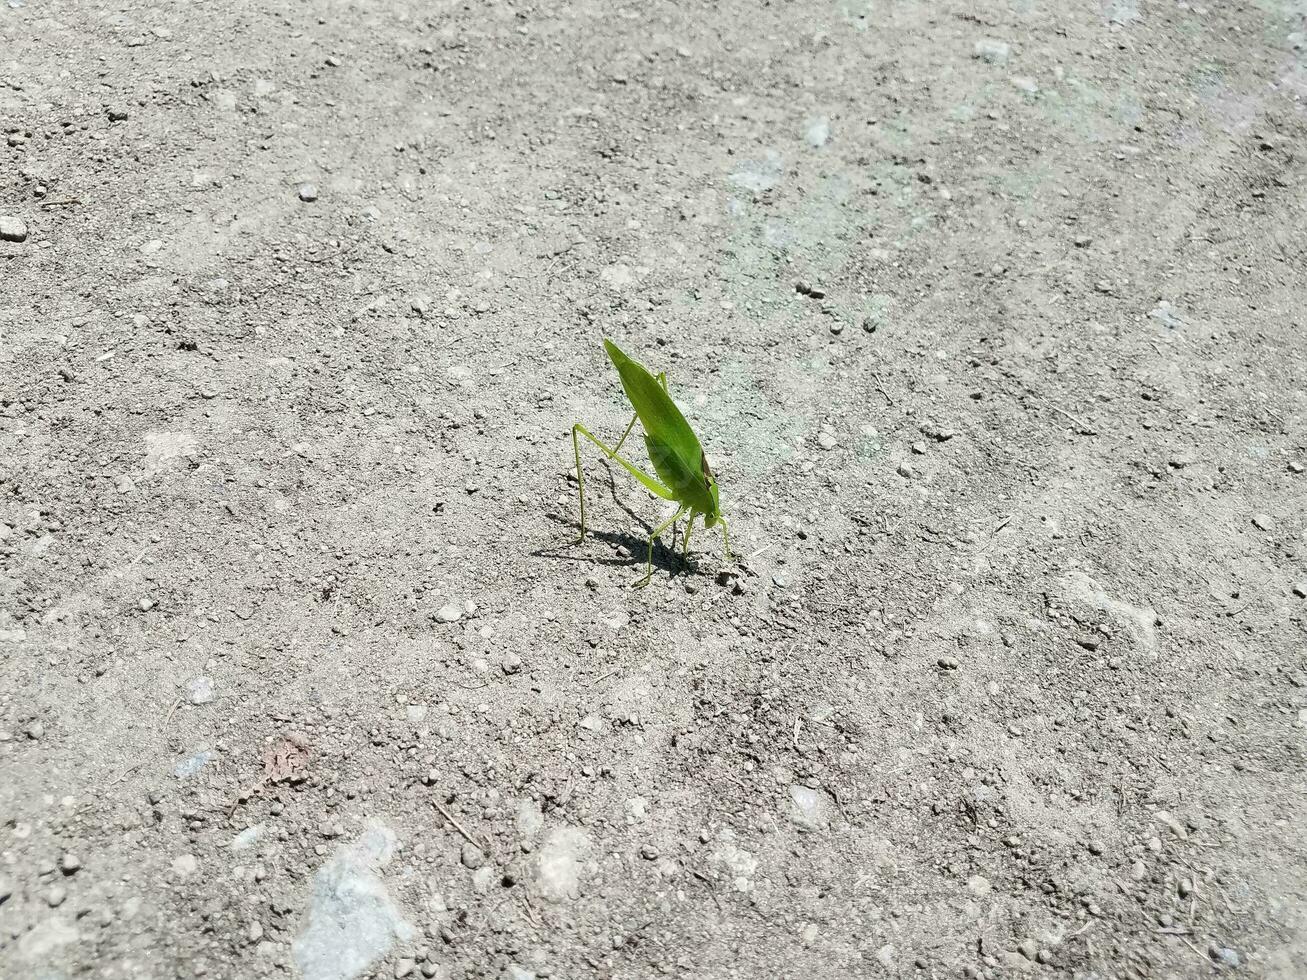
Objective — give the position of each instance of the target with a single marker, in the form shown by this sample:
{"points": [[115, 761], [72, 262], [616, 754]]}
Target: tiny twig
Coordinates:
{"points": [[61, 203], [712, 890], [530, 912], [1085, 430], [458, 826], [880, 386], [171, 711], [838, 802], [126, 772]]}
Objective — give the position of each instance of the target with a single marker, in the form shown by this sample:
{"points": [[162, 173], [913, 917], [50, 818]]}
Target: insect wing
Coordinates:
{"points": [[664, 425]]}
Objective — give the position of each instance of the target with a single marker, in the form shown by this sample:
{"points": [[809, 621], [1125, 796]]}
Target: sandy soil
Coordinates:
{"points": [[991, 320]]}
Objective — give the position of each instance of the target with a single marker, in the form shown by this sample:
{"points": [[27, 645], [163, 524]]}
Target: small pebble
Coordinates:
{"points": [[1185, 887], [34, 730], [992, 51], [1028, 949], [919, 448], [649, 852], [255, 932], [404, 966], [450, 612], [826, 440], [6, 889], [1224, 955], [70, 864], [117, 113], [55, 896], [472, 856], [1096, 847], [511, 664], [1263, 522], [905, 469], [1300, 590], [12, 229], [200, 690], [1294, 466], [308, 192]]}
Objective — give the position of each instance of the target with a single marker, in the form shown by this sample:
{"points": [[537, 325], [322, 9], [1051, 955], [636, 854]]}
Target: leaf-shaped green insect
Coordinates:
{"points": [[674, 450]]}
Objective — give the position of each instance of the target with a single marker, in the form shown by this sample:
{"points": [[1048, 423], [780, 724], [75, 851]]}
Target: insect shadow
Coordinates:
{"points": [[665, 559]]}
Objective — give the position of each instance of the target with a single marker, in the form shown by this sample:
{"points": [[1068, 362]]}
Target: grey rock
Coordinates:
{"points": [[200, 690], [117, 113], [34, 730], [1096, 847], [450, 612], [1263, 522], [1300, 590], [472, 856], [352, 921], [70, 864], [308, 193], [404, 966], [511, 663], [6, 889], [990, 50], [1224, 955], [939, 433], [12, 229], [55, 895], [40, 944]]}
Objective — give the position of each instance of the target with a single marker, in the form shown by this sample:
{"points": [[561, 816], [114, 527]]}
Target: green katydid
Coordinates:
{"points": [[674, 450]]}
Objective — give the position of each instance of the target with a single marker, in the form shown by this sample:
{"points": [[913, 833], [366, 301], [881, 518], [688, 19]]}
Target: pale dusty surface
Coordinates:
{"points": [[991, 319]]}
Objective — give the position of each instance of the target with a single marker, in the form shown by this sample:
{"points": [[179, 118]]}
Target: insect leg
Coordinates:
{"points": [[726, 537], [653, 536], [618, 448], [650, 484], [685, 546], [580, 480]]}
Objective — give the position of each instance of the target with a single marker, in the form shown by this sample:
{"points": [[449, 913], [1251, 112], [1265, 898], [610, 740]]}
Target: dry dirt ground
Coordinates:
{"points": [[991, 318]]}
